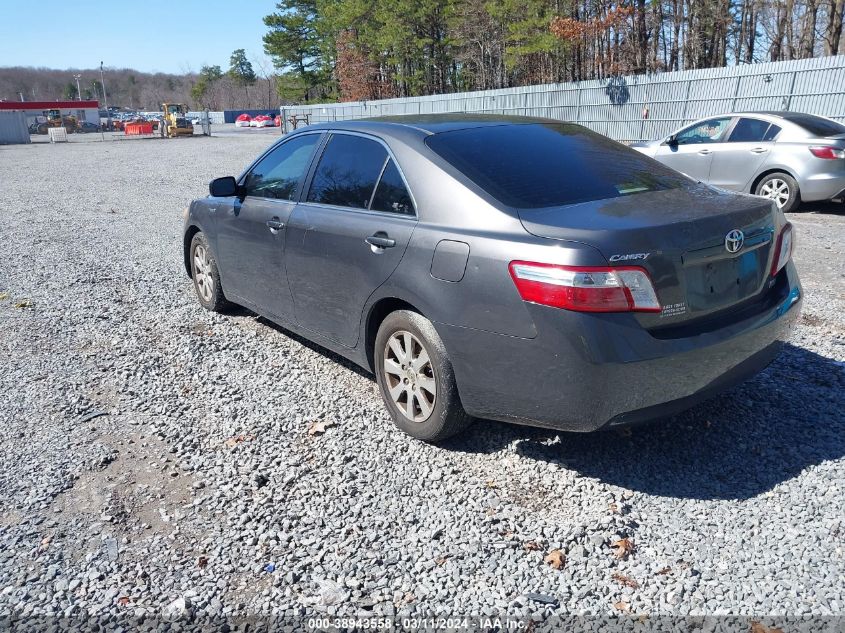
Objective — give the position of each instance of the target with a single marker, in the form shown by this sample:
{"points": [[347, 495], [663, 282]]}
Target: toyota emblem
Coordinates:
{"points": [[734, 241]]}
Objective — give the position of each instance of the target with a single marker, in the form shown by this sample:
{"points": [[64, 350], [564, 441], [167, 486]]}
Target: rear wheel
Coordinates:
{"points": [[206, 276], [781, 188], [416, 378]]}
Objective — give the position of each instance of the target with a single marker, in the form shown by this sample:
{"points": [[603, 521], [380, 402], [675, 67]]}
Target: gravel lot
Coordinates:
{"points": [[200, 489]]}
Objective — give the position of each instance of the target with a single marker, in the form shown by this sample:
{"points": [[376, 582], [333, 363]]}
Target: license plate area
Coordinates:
{"points": [[721, 282]]}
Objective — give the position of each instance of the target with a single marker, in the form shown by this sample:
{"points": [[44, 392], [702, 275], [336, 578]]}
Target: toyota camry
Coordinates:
{"points": [[505, 268]]}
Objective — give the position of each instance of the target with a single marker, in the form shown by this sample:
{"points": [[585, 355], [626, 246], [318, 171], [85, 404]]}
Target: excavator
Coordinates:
{"points": [[56, 119], [174, 121]]}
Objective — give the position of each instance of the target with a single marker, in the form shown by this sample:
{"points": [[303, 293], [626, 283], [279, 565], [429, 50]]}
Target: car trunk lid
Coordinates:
{"points": [[679, 237]]}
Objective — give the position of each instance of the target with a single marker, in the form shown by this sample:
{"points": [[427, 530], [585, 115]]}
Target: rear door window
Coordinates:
{"points": [[750, 131], [348, 172], [392, 194], [277, 175], [772, 132], [550, 164]]}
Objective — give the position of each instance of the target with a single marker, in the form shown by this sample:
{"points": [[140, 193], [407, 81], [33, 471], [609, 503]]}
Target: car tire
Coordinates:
{"points": [[435, 412], [781, 188], [206, 276]]}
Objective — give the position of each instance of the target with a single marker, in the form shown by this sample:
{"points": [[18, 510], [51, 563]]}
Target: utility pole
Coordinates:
{"points": [[105, 98], [78, 91]]}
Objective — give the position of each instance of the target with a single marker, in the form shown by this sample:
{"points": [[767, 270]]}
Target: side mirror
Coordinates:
{"points": [[225, 187], [672, 140]]}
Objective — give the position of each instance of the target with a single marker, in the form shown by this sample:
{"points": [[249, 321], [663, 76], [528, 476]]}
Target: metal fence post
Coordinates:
{"points": [[284, 113], [578, 106], [791, 90], [686, 102], [736, 93]]}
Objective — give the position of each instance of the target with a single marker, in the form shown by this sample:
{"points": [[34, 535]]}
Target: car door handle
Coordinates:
{"points": [[380, 240], [705, 152], [275, 224], [759, 150]]}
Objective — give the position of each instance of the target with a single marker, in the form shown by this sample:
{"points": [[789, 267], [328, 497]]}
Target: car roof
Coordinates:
{"points": [[427, 124], [784, 115]]}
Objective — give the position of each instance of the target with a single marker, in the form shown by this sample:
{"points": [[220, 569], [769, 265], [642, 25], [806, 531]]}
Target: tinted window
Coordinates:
{"points": [[544, 165], [391, 193], [771, 133], [277, 174], [348, 172], [710, 131], [815, 125], [749, 131]]}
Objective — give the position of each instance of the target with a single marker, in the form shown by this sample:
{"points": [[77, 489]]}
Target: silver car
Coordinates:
{"points": [[786, 156]]}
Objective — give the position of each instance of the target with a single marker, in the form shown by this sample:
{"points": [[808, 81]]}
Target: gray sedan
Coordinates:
{"points": [[785, 156], [506, 268]]}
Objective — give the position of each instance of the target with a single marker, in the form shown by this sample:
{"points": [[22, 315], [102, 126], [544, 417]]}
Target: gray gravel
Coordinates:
{"points": [[197, 488]]}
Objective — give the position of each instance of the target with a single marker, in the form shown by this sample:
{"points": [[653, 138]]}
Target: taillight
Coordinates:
{"points": [[826, 151], [585, 288], [783, 249]]}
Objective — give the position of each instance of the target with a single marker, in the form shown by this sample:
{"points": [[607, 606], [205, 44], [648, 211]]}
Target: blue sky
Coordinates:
{"points": [[81, 33]]}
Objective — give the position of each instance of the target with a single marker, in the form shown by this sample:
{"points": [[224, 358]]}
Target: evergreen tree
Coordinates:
{"points": [[240, 70]]}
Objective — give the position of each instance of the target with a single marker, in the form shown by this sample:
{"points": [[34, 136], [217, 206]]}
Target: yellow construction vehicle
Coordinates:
{"points": [[174, 120], [56, 119]]}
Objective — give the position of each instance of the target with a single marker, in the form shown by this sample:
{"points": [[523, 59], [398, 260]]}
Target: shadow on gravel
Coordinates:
{"points": [[337, 358], [735, 446], [821, 207]]}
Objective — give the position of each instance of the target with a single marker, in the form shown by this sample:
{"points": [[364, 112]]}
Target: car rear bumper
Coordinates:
{"points": [[824, 186], [583, 372]]}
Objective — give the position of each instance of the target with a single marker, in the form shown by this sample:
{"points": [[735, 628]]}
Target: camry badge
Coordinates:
{"points": [[734, 240]]}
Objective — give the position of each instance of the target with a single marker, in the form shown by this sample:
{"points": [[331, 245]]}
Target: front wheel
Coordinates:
{"points": [[781, 188], [416, 378], [206, 276]]}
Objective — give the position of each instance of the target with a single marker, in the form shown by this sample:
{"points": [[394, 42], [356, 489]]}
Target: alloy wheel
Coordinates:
{"points": [[777, 190], [202, 273], [409, 376]]}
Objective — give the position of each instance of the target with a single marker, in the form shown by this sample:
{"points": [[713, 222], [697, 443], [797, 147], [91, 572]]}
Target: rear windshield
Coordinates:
{"points": [[815, 125], [551, 164]]}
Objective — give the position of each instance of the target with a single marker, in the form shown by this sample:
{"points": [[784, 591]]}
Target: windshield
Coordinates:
{"points": [[550, 164]]}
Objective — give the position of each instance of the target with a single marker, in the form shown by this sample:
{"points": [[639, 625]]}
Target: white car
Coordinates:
{"points": [[262, 120]]}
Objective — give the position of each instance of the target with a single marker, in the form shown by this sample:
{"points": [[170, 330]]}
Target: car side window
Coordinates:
{"points": [[277, 175], [391, 194], [771, 133], [348, 172], [710, 131], [749, 131]]}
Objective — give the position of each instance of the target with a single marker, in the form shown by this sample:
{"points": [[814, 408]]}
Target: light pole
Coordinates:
{"points": [[105, 98], [78, 91]]}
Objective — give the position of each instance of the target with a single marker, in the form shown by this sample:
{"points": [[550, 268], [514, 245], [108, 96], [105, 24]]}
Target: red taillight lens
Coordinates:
{"points": [[825, 151], [783, 249], [585, 288]]}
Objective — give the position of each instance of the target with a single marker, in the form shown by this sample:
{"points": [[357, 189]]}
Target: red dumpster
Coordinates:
{"points": [[137, 129]]}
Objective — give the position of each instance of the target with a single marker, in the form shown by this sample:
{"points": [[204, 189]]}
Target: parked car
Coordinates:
{"points": [[87, 127], [262, 120], [785, 156], [508, 268], [243, 120]]}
